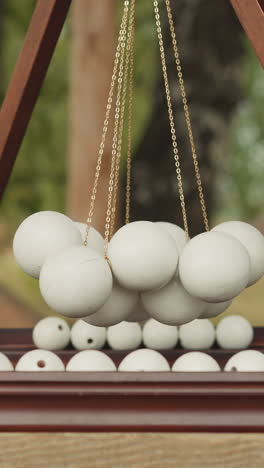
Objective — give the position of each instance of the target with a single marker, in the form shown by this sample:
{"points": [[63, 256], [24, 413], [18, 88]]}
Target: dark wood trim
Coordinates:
{"points": [[30, 71], [128, 402], [251, 16]]}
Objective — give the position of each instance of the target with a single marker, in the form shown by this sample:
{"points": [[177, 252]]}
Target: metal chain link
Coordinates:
{"points": [[129, 126], [171, 118], [128, 54], [187, 114], [106, 120], [116, 128]]}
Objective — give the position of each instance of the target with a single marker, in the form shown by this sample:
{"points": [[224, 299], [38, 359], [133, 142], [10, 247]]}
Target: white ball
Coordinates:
{"points": [[176, 232], [51, 333], [86, 336], [5, 364], [124, 336], [91, 361], [156, 335], [213, 310], [76, 282], [143, 256], [40, 236], [198, 334], [214, 267], [172, 304], [252, 240], [117, 308], [138, 314], [144, 360], [195, 362], [95, 240], [40, 360], [246, 361], [234, 332]]}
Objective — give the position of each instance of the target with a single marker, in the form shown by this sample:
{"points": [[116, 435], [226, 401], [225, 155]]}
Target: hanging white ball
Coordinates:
{"points": [[5, 363], [124, 336], [143, 256], [138, 314], [172, 304], [157, 335], [52, 333], [86, 336], [40, 236], [76, 282], [246, 361], [144, 360], [195, 362], [39, 360], [176, 232], [213, 310], [234, 332], [198, 334], [116, 309], [95, 241], [214, 267], [91, 361], [252, 240]]}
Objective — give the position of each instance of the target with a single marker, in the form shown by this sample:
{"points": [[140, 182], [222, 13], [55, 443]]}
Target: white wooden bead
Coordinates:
{"points": [[246, 361], [124, 336], [40, 236], [76, 282], [116, 309], [143, 256], [86, 336], [234, 332], [138, 314], [198, 334], [214, 267], [176, 232], [144, 360], [90, 361], [95, 241], [195, 362], [52, 333], [172, 304], [213, 310], [40, 360], [5, 364], [157, 335], [252, 240]]}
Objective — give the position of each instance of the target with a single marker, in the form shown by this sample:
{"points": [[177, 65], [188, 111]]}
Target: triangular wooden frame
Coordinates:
{"points": [[34, 59]]}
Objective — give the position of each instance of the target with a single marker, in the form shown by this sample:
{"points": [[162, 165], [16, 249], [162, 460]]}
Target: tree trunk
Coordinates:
{"points": [[92, 60], [211, 48]]}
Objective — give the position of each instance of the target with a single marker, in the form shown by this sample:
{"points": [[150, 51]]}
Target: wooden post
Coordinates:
{"points": [[92, 63], [40, 42], [251, 16]]}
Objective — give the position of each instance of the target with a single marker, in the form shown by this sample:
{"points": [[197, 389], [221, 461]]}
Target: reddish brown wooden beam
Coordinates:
{"points": [[251, 16], [30, 71]]}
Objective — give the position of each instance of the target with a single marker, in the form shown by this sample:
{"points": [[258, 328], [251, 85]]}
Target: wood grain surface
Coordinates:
{"points": [[131, 450]]}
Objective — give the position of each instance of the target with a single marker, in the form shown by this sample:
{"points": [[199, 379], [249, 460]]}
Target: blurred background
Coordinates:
{"points": [[56, 163]]}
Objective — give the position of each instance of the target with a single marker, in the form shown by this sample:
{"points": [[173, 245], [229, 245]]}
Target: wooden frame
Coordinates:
{"points": [[39, 45], [251, 16], [132, 402]]}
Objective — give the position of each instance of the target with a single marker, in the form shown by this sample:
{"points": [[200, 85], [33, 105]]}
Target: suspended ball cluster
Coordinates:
{"points": [[151, 270]]}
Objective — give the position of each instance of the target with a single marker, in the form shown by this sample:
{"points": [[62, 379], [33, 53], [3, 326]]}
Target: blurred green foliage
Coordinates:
{"points": [[242, 182], [39, 178]]}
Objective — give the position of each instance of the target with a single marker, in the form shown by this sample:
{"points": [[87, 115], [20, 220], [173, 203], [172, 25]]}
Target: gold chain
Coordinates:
{"points": [[129, 125], [116, 129], [129, 53], [187, 115], [171, 119], [106, 120]]}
